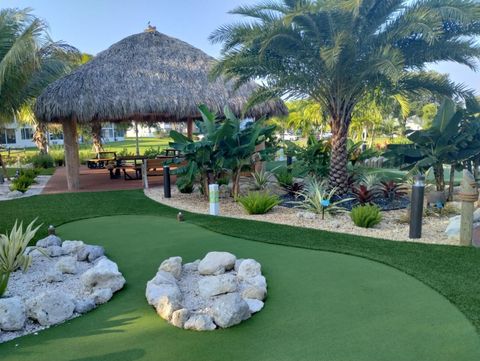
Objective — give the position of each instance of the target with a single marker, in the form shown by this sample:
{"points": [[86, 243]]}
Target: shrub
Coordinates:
{"points": [[29, 173], [152, 153], [366, 216], [284, 177], [362, 194], [42, 161], [317, 198], [21, 183], [58, 157], [392, 190], [12, 252], [223, 181], [260, 180], [258, 202], [184, 185]]}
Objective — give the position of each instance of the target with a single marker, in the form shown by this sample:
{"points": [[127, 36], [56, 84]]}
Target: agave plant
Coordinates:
{"points": [[317, 198], [12, 251], [261, 179]]}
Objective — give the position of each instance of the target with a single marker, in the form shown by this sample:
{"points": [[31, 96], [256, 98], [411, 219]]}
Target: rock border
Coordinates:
{"points": [[218, 291], [72, 280]]}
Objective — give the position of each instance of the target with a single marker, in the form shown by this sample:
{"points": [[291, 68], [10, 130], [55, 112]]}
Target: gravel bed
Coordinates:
{"points": [[390, 228]]}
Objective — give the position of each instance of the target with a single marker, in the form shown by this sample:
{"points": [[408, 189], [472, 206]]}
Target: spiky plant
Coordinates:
{"points": [[336, 52], [12, 251], [392, 190]]}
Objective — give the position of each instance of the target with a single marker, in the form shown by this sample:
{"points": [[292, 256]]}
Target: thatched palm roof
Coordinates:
{"points": [[146, 77]]}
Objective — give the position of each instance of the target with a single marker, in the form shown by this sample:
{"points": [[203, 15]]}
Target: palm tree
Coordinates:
{"points": [[337, 51], [29, 61]]}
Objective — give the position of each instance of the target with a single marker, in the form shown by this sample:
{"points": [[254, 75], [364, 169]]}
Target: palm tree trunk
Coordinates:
{"points": [[439, 177], [451, 181], [97, 137], [236, 182], [338, 176], [40, 137]]}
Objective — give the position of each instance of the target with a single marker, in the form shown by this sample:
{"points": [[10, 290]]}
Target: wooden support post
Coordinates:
{"points": [[145, 174], [468, 195], [190, 128], [72, 159]]}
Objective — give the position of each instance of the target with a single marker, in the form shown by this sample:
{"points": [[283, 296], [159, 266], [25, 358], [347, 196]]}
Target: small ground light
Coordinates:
{"points": [[51, 230], [180, 217], [325, 204], [416, 207]]}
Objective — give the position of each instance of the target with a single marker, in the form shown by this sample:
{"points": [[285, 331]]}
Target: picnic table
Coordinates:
{"points": [[101, 160]]}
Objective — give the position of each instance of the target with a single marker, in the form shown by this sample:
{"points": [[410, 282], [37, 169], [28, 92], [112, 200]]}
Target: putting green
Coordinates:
{"points": [[321, 306]]}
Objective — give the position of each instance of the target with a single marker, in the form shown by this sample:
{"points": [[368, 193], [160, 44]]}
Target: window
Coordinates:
{"points": [[56, 136], [120, 132], [27, 133], [7, 136]]}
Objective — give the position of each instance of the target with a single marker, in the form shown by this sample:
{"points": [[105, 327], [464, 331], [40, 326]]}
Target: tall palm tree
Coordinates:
{"points": [[337, 51], [29, 61]]}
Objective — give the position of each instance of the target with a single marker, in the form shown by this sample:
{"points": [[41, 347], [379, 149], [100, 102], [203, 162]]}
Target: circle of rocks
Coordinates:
{"points": [[72, 280], [218, 291]]}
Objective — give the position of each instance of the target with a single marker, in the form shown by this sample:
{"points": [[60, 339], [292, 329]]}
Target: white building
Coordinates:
{"points": [[151, 131], [15, 135]]}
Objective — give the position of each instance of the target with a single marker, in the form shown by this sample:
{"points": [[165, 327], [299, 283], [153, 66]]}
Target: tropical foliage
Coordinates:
{"points": [[12, 252], [227, 145], [338, 51], [452, 138], [258, 202], [366, 216], [29, 61]]}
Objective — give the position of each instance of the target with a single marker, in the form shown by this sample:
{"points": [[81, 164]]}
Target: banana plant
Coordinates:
{"points": [[450, 140]]}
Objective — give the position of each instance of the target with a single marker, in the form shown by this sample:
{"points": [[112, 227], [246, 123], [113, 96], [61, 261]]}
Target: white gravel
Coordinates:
{"points": [[35, 189], [34, 281], [391, 227]]}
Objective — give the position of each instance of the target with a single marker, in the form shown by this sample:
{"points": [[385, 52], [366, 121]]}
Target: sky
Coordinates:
{"points": [[94, 25]]}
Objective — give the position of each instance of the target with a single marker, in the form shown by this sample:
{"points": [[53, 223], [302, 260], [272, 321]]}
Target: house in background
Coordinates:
{"points": [[16, 135]]}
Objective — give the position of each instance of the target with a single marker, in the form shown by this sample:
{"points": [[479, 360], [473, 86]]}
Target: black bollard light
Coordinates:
{"points": [[289, 163], [166, 182], [416, 207]]}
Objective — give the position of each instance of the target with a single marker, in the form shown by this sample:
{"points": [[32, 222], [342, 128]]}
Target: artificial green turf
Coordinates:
{"points": [[321, 306], [452, 271]]}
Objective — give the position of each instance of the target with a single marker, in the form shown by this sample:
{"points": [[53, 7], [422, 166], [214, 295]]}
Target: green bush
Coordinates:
{"points": [[223, 181], [258, 202], [21, 183], [284, 177], [152, 152], [42, 161], [58, 157], [366, 216], [184, 185], [29, 173]]}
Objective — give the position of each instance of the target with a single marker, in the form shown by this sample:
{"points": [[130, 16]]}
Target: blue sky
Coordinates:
{"points": [[94, 25]]}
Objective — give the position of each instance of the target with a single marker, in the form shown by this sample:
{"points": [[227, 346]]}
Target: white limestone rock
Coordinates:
{"points": [[172, 265], [54, 275], [49, 241], [162, 278], [229, 310], [155, 292], [216, 285], [67, 265], [254, 305], [14, 194], [102, 295], [180, 317], [12, 314], [55, 251], [237, 264], [72, 247], [215, 263], [167, 305], [50, 308], [453, 228], [192, 266], [249, 268], [200, 322], [90, 253], [104, 274], [84, 305]]}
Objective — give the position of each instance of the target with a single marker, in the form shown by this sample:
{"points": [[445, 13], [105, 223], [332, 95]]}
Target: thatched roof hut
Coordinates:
{"points": [[146, 77]]}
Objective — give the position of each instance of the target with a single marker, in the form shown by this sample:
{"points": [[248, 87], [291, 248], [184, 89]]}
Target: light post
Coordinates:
{"points": [[166, 182], [416, 207]]}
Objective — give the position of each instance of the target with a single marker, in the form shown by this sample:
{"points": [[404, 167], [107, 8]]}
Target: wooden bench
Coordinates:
{"points": [[154, 167], [101, 160]]}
